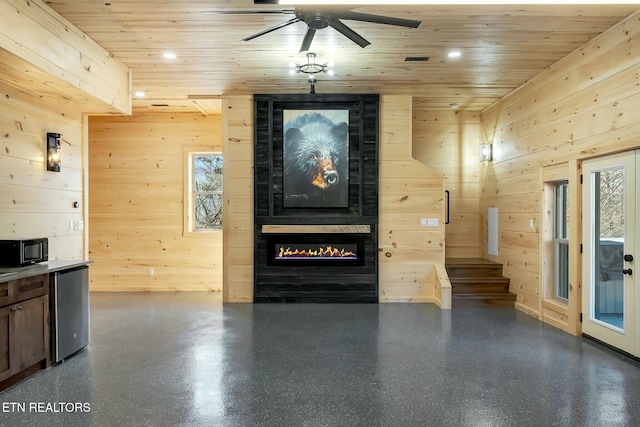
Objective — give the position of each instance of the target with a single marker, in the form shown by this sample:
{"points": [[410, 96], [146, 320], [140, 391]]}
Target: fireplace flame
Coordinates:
{"points": [[323, 252]]}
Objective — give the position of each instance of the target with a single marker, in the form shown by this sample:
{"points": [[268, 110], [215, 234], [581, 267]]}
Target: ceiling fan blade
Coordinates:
{"points": [[268, 30], [308, 38], [349, 33], [245, 12], [387, 20]]}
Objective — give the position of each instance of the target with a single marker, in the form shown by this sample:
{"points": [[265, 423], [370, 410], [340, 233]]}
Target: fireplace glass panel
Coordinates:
{"points": [[296, 250]]}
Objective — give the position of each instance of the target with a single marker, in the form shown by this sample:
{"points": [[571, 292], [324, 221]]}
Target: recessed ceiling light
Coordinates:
{"points": [[454, 54], [140, 94], [169, 55], [453, 105]]}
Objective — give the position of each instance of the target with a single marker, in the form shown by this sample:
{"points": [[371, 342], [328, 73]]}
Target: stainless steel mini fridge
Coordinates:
{"points": [[69, 312]]}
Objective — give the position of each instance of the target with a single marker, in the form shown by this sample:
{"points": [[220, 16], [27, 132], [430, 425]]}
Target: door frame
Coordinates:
{"points": [[627, 339]]}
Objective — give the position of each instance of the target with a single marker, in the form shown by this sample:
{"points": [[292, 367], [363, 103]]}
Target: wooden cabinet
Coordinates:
{"points": [[7, 348], [24, 327]]}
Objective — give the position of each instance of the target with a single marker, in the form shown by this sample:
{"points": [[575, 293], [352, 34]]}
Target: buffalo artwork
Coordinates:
{"points": [[316, 158]]}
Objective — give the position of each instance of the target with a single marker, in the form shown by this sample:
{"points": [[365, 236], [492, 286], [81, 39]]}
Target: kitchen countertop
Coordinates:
{"points": [[13, 273]]}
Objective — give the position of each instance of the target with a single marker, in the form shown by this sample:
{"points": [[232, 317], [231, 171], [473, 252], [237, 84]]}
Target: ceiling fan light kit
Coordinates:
{"points": [[311, 68]]}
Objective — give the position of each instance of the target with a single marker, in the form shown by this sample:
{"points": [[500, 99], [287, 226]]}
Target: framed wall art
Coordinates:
{"points": [[315, 158]]}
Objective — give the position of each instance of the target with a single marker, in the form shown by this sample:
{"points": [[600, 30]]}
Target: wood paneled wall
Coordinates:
{"points": [[44, 54], [409, 191], [447, 141], [585, 105], [237, 137], [33, 201], [136, 187]]}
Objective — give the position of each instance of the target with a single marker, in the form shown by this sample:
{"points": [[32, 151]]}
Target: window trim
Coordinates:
{"points": [[188, 196]]}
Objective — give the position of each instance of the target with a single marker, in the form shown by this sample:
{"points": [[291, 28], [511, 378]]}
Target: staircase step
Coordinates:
{"points": [[477, 282], [472, 267], [479, 287], [505, 300]]}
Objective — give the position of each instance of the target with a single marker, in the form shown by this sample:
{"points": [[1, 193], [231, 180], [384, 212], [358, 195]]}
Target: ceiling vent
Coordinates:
{"points": [[416, 59]]}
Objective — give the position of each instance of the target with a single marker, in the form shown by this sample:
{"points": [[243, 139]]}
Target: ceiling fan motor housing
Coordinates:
{"points": [[314, 19]]}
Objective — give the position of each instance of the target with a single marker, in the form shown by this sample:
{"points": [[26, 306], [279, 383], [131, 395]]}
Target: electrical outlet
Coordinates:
{"points": [[423, 222], [152, 272]]}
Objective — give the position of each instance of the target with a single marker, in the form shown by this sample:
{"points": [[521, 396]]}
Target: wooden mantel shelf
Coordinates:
{"points": [[309, 229]]}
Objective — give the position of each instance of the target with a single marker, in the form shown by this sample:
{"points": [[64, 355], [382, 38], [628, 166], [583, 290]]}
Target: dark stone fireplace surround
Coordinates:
{"points": [[313, 280]]}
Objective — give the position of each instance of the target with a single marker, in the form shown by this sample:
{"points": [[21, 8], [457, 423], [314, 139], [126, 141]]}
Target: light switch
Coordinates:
{"points": [[432, 222], [423, 222], [531, 223]]}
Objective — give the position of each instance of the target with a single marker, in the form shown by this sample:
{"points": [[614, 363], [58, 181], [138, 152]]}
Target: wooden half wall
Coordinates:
{"points": [[409, 191], [585, 105]]}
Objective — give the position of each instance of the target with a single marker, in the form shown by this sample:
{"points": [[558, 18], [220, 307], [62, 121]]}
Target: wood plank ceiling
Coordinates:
{"points": [[501, 47]]}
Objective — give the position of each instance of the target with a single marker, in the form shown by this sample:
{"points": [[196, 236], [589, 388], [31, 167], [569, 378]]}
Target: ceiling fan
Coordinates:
{"points": [[317, 19]]}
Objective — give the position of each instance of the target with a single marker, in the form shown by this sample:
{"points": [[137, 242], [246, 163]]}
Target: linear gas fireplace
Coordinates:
{"points": [[296, 250], [321, 252]]}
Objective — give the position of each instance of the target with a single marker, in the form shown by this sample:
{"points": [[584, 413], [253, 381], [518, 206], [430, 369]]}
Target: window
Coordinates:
{"points": [[205, 192], [561, 240]]}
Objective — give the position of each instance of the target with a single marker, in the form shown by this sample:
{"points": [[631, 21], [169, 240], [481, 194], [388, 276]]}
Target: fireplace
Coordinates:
{"points": [[324, 249], [316, 263], [329, 250]]}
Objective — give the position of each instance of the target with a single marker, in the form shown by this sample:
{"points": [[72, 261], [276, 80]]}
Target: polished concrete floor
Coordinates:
{"points": [[184, 359]]}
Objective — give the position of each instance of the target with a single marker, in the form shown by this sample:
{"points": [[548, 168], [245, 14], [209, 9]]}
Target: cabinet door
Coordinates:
{"points": [[7, 347], [32, 331]]}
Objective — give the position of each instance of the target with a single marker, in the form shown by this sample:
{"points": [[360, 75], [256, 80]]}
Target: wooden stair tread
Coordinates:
{"points": [[501, 295], [474, 262], [485, 289], [478, 282]]}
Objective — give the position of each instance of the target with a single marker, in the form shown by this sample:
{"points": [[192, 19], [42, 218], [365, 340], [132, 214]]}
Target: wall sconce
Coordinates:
{"points": [[53, 152], [486, 152]]}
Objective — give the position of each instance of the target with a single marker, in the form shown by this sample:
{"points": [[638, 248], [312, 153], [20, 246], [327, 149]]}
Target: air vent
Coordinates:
{"points": [[159, 105], [416, 59]]}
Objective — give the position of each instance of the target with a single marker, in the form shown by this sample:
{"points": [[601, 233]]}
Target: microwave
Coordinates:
{"points": [[18, 253]]}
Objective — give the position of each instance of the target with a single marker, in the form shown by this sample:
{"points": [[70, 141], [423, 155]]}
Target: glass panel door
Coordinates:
{"points": [[609, 205]]}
